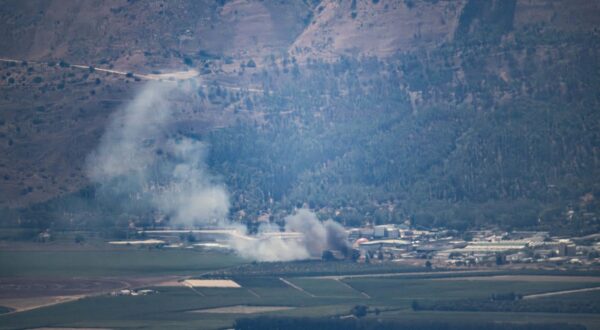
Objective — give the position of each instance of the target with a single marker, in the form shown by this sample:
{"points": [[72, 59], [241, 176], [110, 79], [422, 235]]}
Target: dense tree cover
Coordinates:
{"points": [[476, 132], [514, 142], [292, 323], [552, 305]]}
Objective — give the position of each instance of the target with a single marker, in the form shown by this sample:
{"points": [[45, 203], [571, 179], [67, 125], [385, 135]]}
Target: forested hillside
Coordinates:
{"points": [[494, 124], [467, 134]]}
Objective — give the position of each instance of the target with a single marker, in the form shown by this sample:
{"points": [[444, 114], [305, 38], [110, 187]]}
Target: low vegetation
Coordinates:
{"points": [[311, 268], [555, 305], [266, 322]]}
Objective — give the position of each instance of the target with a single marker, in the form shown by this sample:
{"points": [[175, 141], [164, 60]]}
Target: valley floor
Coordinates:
{"points": [[143, 288]]}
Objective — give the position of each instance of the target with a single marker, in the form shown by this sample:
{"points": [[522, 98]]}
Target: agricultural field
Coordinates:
{"points": [[406, 290], [31, 279], [178, 305], [112, 262]]}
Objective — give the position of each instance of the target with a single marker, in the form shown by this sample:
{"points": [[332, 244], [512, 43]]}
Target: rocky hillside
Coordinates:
{"points": [[377, 28], [147, 35]]}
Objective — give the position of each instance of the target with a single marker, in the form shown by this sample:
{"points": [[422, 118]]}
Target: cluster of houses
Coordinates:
{"points": [[445, 248], [442, 248]]}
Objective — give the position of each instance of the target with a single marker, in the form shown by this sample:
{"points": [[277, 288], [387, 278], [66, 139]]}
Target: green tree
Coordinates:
{"points": [[359, 311]]}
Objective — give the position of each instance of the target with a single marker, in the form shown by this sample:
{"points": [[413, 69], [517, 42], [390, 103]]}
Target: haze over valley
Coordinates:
{"points": [[325, 164]]}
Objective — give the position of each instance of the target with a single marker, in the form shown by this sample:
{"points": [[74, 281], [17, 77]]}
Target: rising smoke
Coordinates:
{"points": [[316, 236], [139, 155]]}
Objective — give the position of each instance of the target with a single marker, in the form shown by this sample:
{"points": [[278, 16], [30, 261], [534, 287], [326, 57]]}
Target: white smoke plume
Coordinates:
{"points": [[175, 180], [268, 248], [315, 237], [191, 195], [139, 155]]}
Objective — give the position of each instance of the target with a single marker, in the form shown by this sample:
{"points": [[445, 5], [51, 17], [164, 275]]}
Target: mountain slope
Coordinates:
{"points": [[378, 28], [460, 113], [146, 35]]}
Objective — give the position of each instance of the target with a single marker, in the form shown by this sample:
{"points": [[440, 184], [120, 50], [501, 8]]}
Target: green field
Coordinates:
{"points": [[402, 290], [326, 288], [112, 262], [173, 307]]}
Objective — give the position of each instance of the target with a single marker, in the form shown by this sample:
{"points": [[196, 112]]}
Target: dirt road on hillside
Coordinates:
{"points": [[165, 77]]}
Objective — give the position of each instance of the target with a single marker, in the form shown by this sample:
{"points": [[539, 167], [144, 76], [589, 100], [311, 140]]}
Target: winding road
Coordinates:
{"points": [[163, 77]]}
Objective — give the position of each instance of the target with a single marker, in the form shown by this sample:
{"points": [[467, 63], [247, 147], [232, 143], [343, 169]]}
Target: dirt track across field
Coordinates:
{"points": [[296, 287], [22, 294], [400, 274], [526, 278], [558, 293], [243, 309]]}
